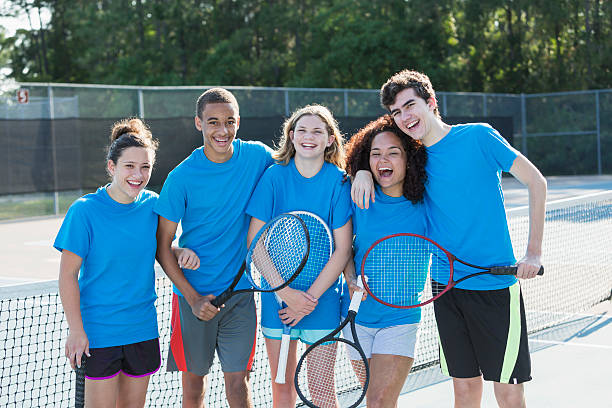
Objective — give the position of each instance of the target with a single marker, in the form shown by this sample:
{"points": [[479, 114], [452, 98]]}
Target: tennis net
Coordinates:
{"points": [[577, 256]]}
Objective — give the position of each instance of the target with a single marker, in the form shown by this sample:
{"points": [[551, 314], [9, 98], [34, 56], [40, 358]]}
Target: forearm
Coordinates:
{"points": [[70, 296], [349, 270], [169, 264], [537, 214]]}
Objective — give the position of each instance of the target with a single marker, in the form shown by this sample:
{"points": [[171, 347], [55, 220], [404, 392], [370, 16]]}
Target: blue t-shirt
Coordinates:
{"points": [[386, 216], [117, 277], [465, 202], [209, 200], [283, 189]]}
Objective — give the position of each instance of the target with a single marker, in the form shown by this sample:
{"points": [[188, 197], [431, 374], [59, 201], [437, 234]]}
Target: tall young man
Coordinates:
{"points": [[481, 322], [208, 193]]}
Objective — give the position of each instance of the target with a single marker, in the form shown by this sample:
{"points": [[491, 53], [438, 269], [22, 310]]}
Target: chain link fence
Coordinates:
{"points": [[55, 141]]}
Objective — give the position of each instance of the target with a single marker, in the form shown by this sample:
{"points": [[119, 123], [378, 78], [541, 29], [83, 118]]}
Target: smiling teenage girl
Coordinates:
{"points": [[388, 336], [307, 177], [108, 242]]}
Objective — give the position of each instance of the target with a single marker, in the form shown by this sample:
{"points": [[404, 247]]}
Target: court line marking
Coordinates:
{"points": [[570, 343]]}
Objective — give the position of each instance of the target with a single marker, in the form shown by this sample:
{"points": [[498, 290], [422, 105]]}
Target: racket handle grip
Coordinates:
{"points": [[510, 270], [79, 391], [221, 299], [282, 359], [356, 299]]}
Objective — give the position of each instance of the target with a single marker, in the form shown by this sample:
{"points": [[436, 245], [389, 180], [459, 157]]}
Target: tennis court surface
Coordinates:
{"points": [[569, 314]]}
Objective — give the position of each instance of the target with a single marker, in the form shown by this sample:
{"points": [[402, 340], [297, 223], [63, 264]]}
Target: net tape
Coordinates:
{"points": [[577, 255]]}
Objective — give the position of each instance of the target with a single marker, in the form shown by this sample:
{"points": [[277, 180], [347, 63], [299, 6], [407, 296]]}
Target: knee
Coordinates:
{"points": [[236, 384], [466, 392], [193, 391], [510, 397]]}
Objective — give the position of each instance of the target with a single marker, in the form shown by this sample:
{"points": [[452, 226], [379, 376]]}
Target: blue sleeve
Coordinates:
{"points": [[75, 233], [496, 149], [171, 203], [269, 159], [261, 204], [343, 209]]}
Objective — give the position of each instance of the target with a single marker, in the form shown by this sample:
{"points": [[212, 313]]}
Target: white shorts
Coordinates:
{"points": [[397, 340]]}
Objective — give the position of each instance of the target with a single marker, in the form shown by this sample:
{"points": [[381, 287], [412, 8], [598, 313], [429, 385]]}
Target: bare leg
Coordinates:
{"points": [[388, 373], [468, 392], [101, 393], [509, 395], [132, 391], [237, 389], [283, 395], [320, 364], [194, 388]]}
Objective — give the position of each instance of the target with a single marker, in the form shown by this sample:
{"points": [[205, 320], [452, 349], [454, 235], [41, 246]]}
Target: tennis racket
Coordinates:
{"points": [[79, 389], [276, 256], [409, 270], [321, 249], [323, 368]]}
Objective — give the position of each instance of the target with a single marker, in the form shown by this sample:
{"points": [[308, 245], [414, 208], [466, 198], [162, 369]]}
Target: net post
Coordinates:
{"points": [[524, 124], [53, 150], [598, 124], [141, 111]]}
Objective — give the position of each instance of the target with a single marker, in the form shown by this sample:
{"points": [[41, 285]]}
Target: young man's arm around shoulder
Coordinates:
{"points": [[200, 305], [524, 171]]}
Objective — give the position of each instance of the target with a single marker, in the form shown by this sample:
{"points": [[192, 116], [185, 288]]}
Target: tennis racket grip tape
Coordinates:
{"points": [[510, 270], [357, 296], [79, 391], [282, 359]]}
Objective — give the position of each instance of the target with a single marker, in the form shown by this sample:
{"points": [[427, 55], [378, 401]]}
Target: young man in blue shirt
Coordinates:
{"points": [[208, 193], [481, 322]]}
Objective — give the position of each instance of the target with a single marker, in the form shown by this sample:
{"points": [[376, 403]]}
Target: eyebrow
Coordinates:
{"points": [[304, 127], [390, 147], [405, 103], [216, 118]]}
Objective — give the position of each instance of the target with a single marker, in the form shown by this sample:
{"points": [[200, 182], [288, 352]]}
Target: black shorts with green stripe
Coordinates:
{"points": [[483, 332]]}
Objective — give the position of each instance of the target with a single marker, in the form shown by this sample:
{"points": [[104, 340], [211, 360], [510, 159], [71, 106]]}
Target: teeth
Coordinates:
{"points": [[410, 125], [385, 168], [134, 183]]}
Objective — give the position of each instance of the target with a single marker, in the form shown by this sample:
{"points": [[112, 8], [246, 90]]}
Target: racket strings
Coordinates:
{"points": [[321, 248], [278, 253], [328, 368], [406, 270]]}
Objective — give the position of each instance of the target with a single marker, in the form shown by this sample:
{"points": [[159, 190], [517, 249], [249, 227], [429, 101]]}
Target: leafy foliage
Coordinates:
{"points": [[463, 45]]}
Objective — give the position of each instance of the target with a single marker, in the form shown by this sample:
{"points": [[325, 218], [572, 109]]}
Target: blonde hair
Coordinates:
{"points": [[334, 154]]}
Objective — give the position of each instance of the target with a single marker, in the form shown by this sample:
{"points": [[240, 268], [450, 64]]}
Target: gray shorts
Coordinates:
{"points": [[397, 340], [231, 333]]}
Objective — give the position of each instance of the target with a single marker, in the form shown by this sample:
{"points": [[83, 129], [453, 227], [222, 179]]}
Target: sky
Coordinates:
{"points": [[11, 24]]}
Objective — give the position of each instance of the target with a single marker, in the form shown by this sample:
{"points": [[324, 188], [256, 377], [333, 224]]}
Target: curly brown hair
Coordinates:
{"points": [[358, 155]]}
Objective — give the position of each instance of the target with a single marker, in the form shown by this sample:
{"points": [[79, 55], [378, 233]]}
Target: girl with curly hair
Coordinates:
{"points": [[388, 336]]}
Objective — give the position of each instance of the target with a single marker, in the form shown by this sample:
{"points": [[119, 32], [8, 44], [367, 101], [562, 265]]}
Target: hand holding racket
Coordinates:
{"points": [[409, 270], [276, 256], [324, 364]]}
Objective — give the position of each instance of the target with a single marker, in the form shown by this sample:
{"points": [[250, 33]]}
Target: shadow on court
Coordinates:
{"points": [[570, 368]]}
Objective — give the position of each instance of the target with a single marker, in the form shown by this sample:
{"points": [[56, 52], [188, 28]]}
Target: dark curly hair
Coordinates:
{"points": [[358, 155]]}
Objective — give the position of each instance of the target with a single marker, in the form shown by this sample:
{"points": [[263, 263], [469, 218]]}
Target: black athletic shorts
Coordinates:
{"points": [[134, 360], [483, 332]]}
